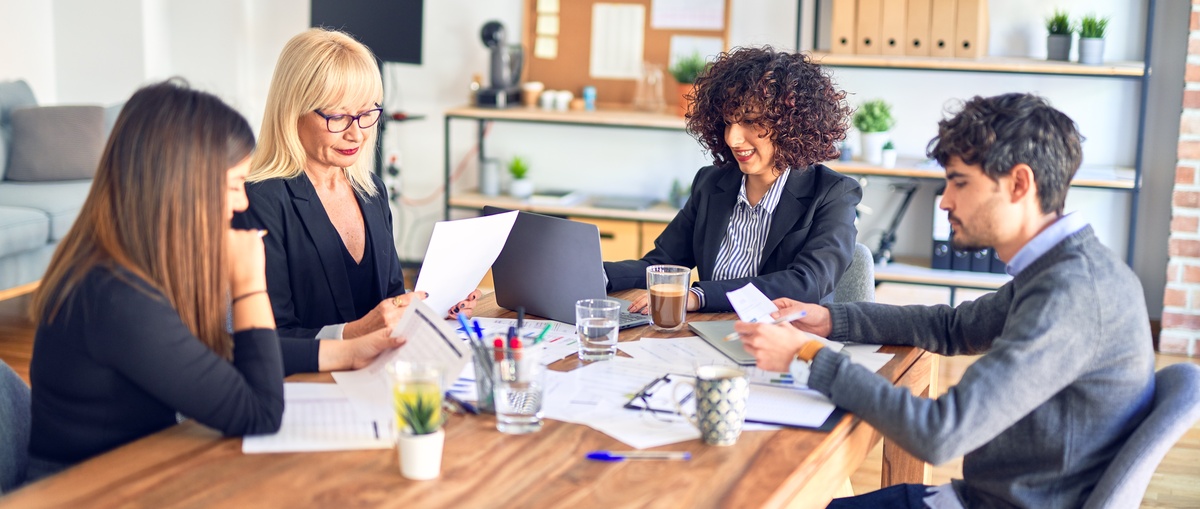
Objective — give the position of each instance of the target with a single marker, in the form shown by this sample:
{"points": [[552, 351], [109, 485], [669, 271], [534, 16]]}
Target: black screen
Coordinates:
{"points": [[391, 28]]}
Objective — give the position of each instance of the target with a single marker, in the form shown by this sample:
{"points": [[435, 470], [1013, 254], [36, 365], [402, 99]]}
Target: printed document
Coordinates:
{"points": [[751, 305], [319, 417], [459, 255]]}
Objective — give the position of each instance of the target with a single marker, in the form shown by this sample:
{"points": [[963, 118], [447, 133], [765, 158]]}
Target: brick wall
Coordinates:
{"points": [[1181, 298]]}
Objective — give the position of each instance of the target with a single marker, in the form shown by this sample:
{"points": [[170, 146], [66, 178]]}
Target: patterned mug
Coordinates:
{"points": [[720, 394]]}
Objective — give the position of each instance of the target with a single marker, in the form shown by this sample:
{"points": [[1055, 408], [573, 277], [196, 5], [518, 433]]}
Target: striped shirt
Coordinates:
{"points": [[742, 248]]}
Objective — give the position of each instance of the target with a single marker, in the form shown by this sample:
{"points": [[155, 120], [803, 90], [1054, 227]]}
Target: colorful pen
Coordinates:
{"points": [[478, 329], [783, 319], [462, 320], [543, 334], [612, 456]]}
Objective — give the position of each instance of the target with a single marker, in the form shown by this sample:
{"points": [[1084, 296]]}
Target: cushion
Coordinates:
{"points": [[22, 229], [59, 201], [13, 95], [55, 143]]}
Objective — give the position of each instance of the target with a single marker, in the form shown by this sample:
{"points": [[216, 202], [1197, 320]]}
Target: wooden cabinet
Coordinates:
{"points": [[619, 240]]}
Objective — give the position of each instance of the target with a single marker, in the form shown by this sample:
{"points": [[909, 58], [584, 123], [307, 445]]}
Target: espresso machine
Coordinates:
{"points": [[504, 78]]}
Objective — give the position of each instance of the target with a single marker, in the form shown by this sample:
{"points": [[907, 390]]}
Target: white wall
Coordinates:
{"points": [[84, 51]]}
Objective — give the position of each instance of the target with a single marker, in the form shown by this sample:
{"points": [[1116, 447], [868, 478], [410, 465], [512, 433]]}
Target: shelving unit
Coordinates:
{"points": [[1116, 179]]}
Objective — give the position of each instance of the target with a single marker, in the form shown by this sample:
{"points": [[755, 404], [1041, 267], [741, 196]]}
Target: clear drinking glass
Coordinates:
{"points": [[668, 287], [519, 382], [597, 322]]}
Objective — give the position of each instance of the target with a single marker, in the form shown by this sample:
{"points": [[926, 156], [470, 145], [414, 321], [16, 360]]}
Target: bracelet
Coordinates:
{"points": [[809, 350], [247, 294]]}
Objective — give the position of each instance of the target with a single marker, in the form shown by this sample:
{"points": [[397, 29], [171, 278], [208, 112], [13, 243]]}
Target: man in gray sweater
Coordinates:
{"points": [[1068, 368]]}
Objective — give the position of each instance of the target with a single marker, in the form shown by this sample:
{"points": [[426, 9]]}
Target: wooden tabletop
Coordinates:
{"points": [[190, 465]]}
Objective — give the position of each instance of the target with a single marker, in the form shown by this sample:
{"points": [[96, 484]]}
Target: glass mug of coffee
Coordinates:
{"points": [[668, 287]]}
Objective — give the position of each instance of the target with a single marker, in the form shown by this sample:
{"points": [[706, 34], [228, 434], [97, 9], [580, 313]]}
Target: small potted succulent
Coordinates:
{"points": [[889, 155], [1091, 39], [521, 186], [685, 71], [417, 401], [1058, 38], [873, 121]]}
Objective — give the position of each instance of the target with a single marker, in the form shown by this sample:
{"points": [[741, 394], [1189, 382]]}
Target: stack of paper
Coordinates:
{"points": [[319, 417]]}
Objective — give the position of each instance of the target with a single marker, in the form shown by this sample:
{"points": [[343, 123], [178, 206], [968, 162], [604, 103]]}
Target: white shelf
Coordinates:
{"points": [[912, 274]]}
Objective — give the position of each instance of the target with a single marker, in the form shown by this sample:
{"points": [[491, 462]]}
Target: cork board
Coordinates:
{"points": [[570, 69]]}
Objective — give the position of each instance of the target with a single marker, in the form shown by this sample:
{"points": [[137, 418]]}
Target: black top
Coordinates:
{"points": [[808, 247], [306, 275], [117, 363], [361, 275]]}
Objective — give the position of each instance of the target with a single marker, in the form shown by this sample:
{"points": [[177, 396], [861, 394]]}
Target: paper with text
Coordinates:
{"points": [[751, 305], [319, 417], [459, 255], [687, 14], [618, 39]]}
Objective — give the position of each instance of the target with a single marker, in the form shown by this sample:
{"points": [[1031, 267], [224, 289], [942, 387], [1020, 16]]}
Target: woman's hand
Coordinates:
{"points": [[816, 317], [773, 346], [465, 306], [358, 353], [642, 303], [247, 261], [385, 315]]}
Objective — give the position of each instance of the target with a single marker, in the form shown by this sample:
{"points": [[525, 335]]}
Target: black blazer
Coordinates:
{"points": [[808, 247], [306, 275]]}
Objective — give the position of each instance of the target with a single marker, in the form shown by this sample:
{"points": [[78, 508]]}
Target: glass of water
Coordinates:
{"points": [[518, 385], [597, 322]]}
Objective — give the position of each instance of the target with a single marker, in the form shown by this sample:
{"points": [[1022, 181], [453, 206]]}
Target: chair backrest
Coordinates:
{"points": [[858, 283], [1176, 408], [14, 428]]}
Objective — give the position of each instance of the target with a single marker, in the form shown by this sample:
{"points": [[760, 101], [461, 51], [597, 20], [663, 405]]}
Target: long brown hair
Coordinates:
{"points": [[156, 208]]}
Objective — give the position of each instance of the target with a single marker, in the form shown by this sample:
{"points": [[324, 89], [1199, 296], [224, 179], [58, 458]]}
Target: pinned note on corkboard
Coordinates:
{"points": [[571, 44]]}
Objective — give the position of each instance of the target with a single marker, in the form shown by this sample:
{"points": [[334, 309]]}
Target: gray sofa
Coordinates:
{"points": [[38, 206]]}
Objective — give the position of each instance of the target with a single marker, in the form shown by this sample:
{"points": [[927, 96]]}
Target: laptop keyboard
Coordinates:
{"points": [[629, 319]]}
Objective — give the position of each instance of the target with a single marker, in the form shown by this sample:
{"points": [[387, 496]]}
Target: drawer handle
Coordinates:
{"points": [[607, 236]]}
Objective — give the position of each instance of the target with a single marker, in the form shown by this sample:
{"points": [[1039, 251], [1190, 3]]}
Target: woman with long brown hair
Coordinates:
{"points": [[133, 311]]}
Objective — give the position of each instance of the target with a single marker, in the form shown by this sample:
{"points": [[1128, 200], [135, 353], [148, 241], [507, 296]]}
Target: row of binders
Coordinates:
{"points": [[938, 28], [947, 258]]}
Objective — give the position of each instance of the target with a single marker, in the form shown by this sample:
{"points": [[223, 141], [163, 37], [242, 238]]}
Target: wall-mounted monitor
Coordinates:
{"points": [[391, 28]]}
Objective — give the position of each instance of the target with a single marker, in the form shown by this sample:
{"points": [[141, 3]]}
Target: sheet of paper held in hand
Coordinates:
{"points": [[319, 417], [459, 255], [430, 340], [751, 305]]}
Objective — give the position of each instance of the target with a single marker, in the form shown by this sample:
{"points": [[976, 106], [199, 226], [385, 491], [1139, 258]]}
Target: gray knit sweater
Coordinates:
{"points": [[1068, 374]]}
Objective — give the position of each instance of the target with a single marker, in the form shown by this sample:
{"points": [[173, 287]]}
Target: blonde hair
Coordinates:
{"points": [[318, 69], [156, 208]]}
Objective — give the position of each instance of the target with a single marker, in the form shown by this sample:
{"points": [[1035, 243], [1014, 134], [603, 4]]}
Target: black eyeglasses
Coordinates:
{"points": [[339, 123]]}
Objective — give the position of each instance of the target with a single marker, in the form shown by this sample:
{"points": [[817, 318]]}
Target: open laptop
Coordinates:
{"points": [[548, 263], [714, 333]]}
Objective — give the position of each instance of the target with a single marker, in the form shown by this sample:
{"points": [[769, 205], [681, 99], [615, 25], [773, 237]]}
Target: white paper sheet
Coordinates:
{"points": [[545, 47], [618, 41], [319, 417], [751, 305], [547, 24], [459, 255], [560, 341], [547, 6], [430, 340], [687, 14]]}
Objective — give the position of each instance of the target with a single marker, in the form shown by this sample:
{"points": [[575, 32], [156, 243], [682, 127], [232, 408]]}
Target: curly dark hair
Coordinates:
{"points": [[1000, 132], [795, 100]]}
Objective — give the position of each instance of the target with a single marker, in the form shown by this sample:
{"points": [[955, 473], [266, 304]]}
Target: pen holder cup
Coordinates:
{"points": [[720, 393], [484, 382]]}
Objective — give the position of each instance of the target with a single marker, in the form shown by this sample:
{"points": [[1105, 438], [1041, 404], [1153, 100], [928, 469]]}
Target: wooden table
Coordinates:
{"points": [[192, 466]]}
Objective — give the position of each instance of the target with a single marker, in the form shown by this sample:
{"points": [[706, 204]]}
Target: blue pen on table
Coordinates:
{"points": [[467, 407], [611, 456], [478, 329], [462, 320]]}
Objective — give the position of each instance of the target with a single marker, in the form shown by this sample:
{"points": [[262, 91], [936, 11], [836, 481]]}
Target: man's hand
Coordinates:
{"points": [[773, 346], [816, 318]]}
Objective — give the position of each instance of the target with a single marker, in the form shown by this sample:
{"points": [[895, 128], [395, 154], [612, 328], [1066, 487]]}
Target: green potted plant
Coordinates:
{"points": [[521, 186], [417, 401], [873, 121], [889, 155], [686, 70], [1091, 39], [1058, 38]]}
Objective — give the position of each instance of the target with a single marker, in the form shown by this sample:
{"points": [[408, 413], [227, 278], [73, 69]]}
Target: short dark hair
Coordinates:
{"points": [[1000, 132], [804, 114]]}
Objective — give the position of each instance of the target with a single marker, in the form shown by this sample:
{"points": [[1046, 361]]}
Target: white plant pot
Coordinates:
{"points": [[872, 146], [421, 455], [888, 158], [1091, 51], [521, 188]]}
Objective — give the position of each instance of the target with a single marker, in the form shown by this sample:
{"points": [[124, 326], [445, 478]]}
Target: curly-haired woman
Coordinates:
{"points": [[766, 212]]}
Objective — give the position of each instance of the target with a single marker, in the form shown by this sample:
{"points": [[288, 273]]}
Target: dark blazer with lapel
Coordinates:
{"points": [[306, 275], [808, 247]]}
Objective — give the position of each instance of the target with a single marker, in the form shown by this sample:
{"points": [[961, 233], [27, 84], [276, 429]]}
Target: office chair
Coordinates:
{"points": [[14, 429], [858, 283], [1176, 408]]}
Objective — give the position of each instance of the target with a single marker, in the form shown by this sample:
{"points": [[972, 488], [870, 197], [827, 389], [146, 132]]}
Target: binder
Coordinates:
{"points": [[971, 29], [981, 261], [870, 15], [891, 27], [942, 21], [842, 25], [916, 28], [997, 266], [941, 236], [961, 260]]}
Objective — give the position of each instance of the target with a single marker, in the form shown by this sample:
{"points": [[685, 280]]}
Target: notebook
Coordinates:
{"points": [[548, 264]]}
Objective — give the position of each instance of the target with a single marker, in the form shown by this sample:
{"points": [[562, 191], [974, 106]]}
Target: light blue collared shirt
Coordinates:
{"points": [[1048, 238]]}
